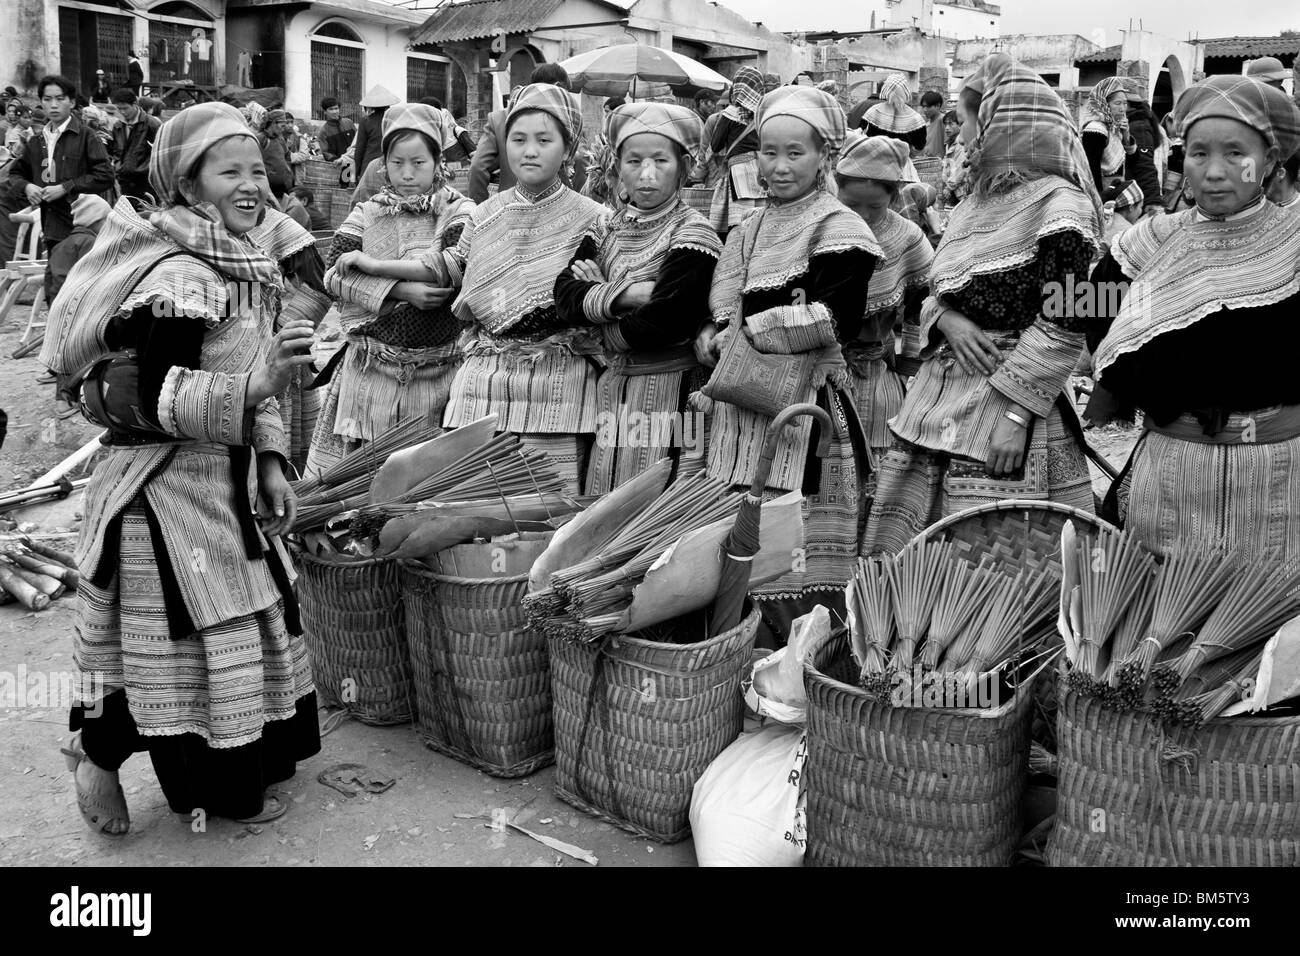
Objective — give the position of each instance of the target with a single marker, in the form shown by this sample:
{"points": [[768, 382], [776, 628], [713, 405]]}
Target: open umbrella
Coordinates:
{"points": [[615, 70], [742, 543]]}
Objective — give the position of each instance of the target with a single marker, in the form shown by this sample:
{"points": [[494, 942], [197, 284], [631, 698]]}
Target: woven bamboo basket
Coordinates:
{"points": [[637, 722], [908, 786], [1133, 793], [482, 673], [340, 206], [316, 173], [354, 626], [930, 170]]}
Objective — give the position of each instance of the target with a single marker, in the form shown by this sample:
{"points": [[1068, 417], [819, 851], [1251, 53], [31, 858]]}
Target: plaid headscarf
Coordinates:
{"points": [[1129, 196], [877, 157], [1023, 125], [747, 88], [895, 114], [1096, 109], [554, 101], [679, 124], [434, 123], [1263, 108], [815, 107], [183, 140]]}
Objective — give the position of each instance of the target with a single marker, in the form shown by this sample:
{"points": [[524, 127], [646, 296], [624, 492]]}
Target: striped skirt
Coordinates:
{"points": [[549, 391], [225, 683], [375, 387], [1185, 493], [916, 487], [641, 417]]}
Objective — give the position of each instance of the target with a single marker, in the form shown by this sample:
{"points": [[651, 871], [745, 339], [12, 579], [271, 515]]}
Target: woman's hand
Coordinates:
{"points": [[422, 295], [290, 349], [634, 296], [974, 351], [276, 504], [585, 270], [707, 349], [356, 261], [1007, 447]]}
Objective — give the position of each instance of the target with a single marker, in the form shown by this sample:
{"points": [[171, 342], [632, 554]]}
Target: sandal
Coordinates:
{"points": [[272, 809], [97, 808]]}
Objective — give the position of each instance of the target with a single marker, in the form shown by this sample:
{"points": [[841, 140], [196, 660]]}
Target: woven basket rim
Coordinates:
{"points": [[1065, 692], [1012, 504], [708, 642], [810, 671], [336, 561], [420, 570]]}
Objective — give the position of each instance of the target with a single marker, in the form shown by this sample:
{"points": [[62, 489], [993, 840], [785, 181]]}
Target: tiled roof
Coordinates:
{"points": [[1111, 53], [1251, 46], [484, 18]]}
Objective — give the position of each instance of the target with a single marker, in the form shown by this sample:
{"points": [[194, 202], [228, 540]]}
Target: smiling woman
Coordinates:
{"points": [[199, 661]]}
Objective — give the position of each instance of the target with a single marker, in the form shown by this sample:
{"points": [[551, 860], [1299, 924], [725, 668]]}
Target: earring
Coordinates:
{"points": [[821, 179], [762, 183]]}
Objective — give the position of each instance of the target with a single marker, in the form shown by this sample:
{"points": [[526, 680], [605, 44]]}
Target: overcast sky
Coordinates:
{"points": [[1171, 17]]}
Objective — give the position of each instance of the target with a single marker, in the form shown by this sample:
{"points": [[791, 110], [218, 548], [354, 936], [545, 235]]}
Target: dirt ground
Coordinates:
{"points": [[435, 814]]}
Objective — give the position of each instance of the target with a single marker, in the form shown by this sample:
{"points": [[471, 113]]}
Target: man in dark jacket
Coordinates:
{"points": [[134, 73], [132, 144], [276, 129], [336, 132], [61, 162], [489, 152]]}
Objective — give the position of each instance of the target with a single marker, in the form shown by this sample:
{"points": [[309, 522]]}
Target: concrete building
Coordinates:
{"points": [[952, 19], [1051, 55], [180, 42]]}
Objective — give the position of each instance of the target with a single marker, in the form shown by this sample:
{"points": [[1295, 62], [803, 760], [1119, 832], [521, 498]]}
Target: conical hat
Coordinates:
{"points": [[378, 97]]}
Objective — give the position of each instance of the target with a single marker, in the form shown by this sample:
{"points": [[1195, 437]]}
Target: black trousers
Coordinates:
{"points": [[224, 782]]}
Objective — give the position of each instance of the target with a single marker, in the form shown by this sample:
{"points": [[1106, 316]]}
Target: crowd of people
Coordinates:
{"points": [[941, 370]]}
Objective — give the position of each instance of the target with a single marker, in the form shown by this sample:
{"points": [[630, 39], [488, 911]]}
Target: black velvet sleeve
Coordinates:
{"points": [[1094, 145], [305, 266], [678, 306], [570, 291], [1109, 279], [161, 343]]}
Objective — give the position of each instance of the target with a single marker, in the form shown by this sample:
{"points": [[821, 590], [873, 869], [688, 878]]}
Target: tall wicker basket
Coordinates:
{"points": [[1131, 793], [482, 673], [355, 631], [638, 721], [906, 786]]}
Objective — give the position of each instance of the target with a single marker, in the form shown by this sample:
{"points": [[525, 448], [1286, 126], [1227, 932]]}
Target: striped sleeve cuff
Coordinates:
{"points": [[205, 406], [598, 303], [1037, 369]]}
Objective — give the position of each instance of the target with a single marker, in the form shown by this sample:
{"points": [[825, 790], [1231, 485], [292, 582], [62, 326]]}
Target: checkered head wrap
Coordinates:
{"points": [[815, 107], [554, 101], [895, 114], [1263, 108], [1130, 195], [877, 157], [1097, 109], [183, 140], [1023, 125], [432, 122], [747, 88], [678, 123]]}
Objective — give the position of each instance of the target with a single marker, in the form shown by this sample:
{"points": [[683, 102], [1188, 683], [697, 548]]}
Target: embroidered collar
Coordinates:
{"points": [[1250, 210], [528, 196], [652, 215]]}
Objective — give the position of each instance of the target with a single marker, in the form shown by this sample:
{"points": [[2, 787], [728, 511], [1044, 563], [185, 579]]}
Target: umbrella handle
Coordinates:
{"points": [[764, 466]]}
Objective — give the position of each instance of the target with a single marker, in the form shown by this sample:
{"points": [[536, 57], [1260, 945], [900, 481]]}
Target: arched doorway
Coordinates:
{"points": [[522, 63], [337, 66], [1169, 84]]}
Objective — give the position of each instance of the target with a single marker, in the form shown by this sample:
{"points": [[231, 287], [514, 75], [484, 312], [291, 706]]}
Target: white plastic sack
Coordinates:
{"points": [[748, 807]]}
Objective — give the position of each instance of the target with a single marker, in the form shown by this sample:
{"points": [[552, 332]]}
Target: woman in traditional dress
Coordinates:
{"points": [[394, 270], [985, 419], [793, 279], [894, 117], [524, 362], [187, 640], [1219, 460], [644, 285], [1107, 141], [293, 248], [735, 144], [869, 175]]}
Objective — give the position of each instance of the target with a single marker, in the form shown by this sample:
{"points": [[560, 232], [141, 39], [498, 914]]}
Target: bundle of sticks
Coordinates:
{"points": [[34, 574], [1181, 637], [584, 601], [927, 626]]}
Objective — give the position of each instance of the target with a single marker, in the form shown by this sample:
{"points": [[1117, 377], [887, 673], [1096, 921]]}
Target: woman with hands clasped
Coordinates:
{"points": [[643, 282], [985, 420], [394, 274], [187, 643]]}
